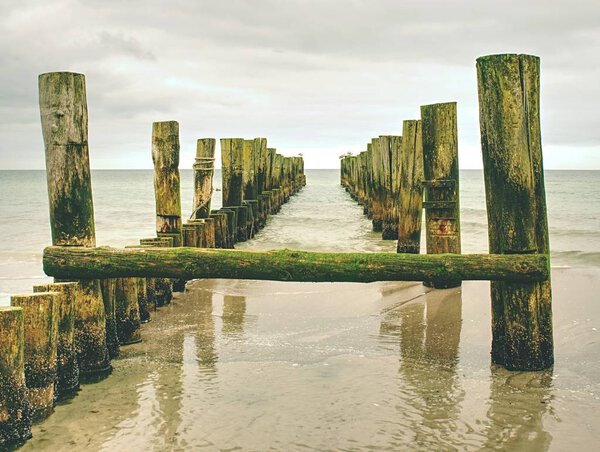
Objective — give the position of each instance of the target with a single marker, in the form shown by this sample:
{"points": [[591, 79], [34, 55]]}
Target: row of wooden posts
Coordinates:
{"points": [[397, 177], [518, 266], [67, 332], [391, 176]]}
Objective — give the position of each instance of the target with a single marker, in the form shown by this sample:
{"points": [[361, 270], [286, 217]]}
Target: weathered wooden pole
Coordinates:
{"points": [[396, 171], [142, 286], [161, 289], [377, 186], [165, 156], [441, 184], [190, 235], [67, 370], [15, 417], [41, 339], [410, 207], [232, 170], [63, 109], [127, 309], [249, 156], [203, 177], [509, 112], [287, 265], [109, 294]]}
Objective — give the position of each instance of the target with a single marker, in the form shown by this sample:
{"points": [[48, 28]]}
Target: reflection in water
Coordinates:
{"points": [[515, 420], [427, 331], [234, 313]]}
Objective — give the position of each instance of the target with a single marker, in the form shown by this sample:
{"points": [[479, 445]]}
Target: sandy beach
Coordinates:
{"points": [[291, 366]]}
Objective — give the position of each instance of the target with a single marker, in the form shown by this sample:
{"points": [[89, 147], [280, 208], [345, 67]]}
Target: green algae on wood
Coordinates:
{"points": [[67, 382], [232, 150], [410, 198], [204, 167], [90, 331], [286, 265], [509, 111], [143, 300], [41, 339], [63, 110], [15, 416], [440, 169], [128, 315], [165, 156]]}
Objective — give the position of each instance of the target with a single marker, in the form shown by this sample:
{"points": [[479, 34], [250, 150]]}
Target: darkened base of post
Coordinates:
{"points": [[178, 286], [377, 225], [96, 376], [108, 297], [16, 428], [67, 381], [442, 284], [389, 231], [410, 248]]}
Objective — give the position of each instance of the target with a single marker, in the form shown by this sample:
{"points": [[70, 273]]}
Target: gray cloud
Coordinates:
{"points": [[315, 76]]}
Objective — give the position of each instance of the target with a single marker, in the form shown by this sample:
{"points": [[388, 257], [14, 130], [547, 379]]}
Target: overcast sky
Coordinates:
{"points": [[319, 77]]}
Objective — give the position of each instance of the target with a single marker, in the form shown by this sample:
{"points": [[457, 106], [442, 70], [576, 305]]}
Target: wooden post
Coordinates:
{"points": [[509, 112], [232, 150], [377, 186], [190, 235], [396, 171], [161, 288], [231, 225], [67, 371], [109, 288], [128, 314], [143, 300], [441, 184], [249, 156], [165, 156], [204, 168], [15, 420], [389, 225], [41, 338], [410, 207], [63, 108]]}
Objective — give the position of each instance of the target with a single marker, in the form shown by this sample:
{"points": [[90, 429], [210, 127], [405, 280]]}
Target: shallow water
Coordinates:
{"points": [[290, 366], [257, 365]]}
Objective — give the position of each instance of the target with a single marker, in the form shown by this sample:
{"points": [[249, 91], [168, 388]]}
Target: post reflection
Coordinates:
{"points": [[427, 330], [234, 314], [517, 405]]}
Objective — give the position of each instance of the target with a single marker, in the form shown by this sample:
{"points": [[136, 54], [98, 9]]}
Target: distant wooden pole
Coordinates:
{"points": [[203, 177], [410, 207], [509, 112], [165, 155], [377, 186], [441, 185], [41, 339], [109, 294], [63, 108], [128, 314], [396, 171], [249, 168], [15, 419], [67, 382], [142, 287], [232, 151]]}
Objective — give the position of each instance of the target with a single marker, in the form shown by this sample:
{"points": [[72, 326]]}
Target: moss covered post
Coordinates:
{"points": [[441, 184], [15, 419], [509, 112], [204, 168], [410, 208], [63, 111], [127, 309], [109, 287], [67, 370], [165, 156], [41, 340]]}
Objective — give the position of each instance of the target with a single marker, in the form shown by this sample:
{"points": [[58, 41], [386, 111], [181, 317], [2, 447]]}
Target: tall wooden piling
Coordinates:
{"points": [[232, 169], [63, 109], [109, 294], [67, 369], [143, 300], [15, 418], [41, 339], [410, 208], [509, 112], [203, 177], [127, 309], [165, 156], [441, 184]]}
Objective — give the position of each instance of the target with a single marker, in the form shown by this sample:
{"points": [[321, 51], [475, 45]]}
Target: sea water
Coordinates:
{"points": [[261, 365]]}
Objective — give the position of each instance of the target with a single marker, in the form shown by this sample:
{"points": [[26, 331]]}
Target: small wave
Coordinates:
{"points": [[576, 258]]}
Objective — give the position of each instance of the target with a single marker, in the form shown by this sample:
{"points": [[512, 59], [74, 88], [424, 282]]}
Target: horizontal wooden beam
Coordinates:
{"points": [[286, 265]]}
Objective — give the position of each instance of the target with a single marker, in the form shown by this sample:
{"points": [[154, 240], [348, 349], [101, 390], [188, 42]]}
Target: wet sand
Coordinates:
{"points": [[253, 365]]}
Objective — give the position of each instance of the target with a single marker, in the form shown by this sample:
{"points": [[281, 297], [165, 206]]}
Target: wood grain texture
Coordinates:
{"points": [[515, 196], [204, 168], [286, 265]]}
